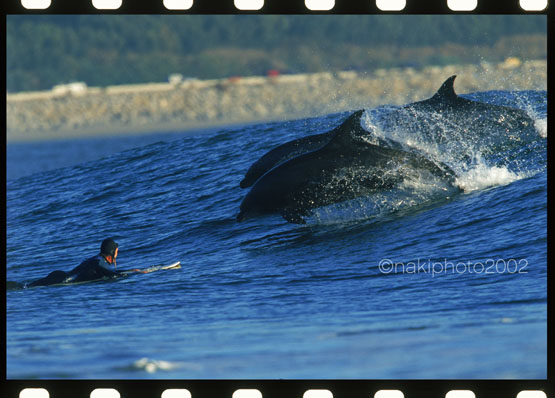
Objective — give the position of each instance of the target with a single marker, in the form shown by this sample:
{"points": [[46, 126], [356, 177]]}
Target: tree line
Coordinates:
{"points": [[44, 50]]}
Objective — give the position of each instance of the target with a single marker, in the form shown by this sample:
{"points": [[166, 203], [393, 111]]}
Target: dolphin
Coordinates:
{"points": [[446, 101], [449, 117], [345, 168], [430, 118], [284, 152]]}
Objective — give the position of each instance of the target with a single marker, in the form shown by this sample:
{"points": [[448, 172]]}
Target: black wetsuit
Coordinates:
{"points": [[89, 270]]}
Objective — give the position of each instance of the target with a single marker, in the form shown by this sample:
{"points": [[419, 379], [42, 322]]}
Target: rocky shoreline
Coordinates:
{"points": [[190, 104]]}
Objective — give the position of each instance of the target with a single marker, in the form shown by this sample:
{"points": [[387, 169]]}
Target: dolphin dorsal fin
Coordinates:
{"points": [[447, 91], [352, 122], [344, 133]]}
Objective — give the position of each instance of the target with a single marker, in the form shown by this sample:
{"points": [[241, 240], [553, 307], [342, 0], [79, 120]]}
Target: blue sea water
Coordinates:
{"points": [[392, 287]]}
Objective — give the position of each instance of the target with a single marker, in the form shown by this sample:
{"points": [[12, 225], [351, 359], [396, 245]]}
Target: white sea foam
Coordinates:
{"points": [[154, 365], [541, 126], [482, 176]]}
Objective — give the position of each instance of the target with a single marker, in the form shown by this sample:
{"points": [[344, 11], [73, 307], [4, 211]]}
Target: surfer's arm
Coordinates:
{"points": [[104, 269], [138, 270], [134, 270]]}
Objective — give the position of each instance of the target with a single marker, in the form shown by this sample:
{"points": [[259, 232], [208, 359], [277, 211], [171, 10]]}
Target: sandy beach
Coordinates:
{"points": [[71, 112]]}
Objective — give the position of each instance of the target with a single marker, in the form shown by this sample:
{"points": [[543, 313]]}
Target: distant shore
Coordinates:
{"points": [[193, 104]]}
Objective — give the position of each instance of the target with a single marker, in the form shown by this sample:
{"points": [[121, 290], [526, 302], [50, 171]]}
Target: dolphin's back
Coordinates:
{"points": [[489, 123], [281, 154], [297, 147], [445, 97]]}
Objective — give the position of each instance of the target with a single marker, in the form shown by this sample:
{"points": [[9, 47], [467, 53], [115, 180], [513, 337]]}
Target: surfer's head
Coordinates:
{"points": [[109, 249]]}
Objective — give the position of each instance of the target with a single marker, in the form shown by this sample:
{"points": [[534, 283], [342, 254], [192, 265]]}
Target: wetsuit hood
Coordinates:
{"points": [[108, 247]]}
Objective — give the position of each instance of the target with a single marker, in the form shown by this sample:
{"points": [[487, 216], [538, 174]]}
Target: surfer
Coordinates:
{"points": [[94, 268]]}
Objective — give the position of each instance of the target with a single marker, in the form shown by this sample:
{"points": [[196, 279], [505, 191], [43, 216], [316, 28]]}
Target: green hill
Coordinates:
{"points": [[44, 50]]}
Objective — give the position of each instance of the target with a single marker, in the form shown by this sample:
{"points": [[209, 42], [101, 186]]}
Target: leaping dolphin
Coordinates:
{"points": [[447, 116], [428, 117], [285, 152], [343, 169], [446, 101]]}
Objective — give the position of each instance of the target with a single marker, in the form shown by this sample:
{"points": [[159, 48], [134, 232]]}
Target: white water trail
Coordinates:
{"points": [[472, 170], [482, 176], [541, 126]]}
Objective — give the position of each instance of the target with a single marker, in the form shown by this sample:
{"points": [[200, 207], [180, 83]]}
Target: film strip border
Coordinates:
{"points": [[278, 388], [276, 6]]}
